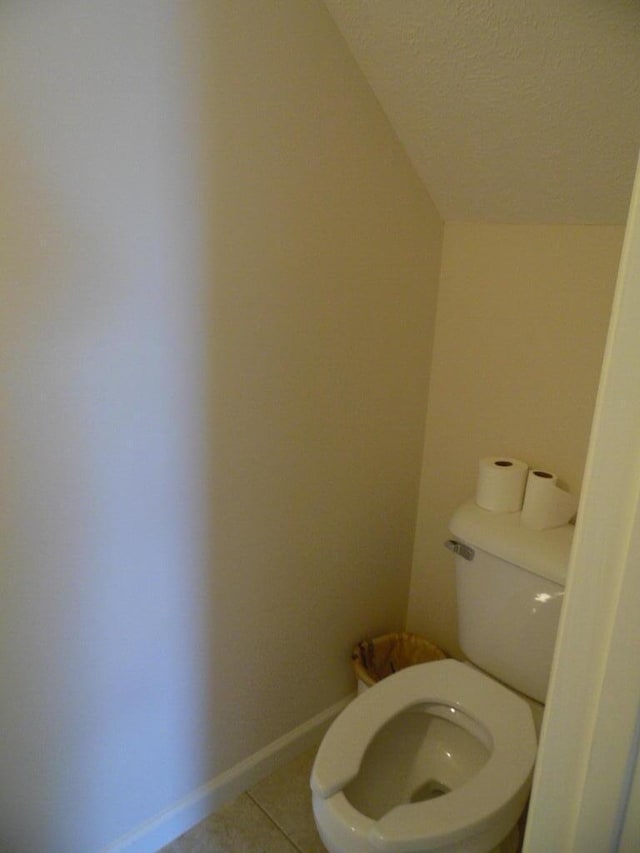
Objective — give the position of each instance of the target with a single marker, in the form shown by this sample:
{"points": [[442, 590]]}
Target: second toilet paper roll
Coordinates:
{"points": [[501, 483], [546, 505]]}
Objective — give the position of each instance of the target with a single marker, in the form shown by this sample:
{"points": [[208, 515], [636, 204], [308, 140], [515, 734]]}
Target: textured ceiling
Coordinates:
{"points": [[511, 110]]}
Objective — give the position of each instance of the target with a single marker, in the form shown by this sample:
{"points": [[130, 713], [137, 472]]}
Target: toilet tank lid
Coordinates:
{"points": [[543, 552]]}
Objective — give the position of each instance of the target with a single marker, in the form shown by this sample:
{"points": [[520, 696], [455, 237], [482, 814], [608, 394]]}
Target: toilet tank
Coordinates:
{"points": [[510, 586]]}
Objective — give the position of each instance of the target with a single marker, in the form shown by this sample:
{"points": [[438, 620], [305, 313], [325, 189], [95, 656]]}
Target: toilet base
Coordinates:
{"points": [[512, 843]]}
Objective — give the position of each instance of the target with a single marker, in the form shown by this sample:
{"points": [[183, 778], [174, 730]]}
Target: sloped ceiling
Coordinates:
{"points": [[511, 110]]}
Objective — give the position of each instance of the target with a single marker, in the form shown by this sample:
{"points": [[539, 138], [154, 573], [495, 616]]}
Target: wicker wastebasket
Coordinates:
{"points": [[375, 659]]}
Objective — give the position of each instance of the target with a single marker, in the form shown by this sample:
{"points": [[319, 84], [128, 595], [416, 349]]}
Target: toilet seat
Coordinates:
{"points": [[504, 724]]}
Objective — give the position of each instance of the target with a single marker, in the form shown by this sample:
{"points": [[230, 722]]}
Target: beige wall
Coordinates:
{"points": [[521, 324], [324, 258], [264, 317]]}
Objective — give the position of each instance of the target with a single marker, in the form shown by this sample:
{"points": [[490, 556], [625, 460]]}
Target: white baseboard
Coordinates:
{"points": [[196, 806]]}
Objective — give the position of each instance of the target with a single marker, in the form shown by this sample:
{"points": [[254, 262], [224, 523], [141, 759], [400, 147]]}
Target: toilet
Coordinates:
{"points": [[439, 756]]}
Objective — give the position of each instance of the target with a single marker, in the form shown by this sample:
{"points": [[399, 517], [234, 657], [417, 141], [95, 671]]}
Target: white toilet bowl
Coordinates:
{"points": [[437, 757]]}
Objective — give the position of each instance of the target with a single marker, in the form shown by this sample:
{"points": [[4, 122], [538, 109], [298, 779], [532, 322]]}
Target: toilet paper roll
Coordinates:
{"points": [[546, 505], [501, 483]]}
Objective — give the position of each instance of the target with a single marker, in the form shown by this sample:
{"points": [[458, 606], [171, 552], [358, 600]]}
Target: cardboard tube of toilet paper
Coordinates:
{"points": [[501, 482], [546, 505]]}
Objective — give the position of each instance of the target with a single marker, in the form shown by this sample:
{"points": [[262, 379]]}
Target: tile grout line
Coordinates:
{"points": [[273, 821]]}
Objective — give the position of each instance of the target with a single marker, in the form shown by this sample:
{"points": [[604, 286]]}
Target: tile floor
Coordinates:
{"points": [[274, 816]]}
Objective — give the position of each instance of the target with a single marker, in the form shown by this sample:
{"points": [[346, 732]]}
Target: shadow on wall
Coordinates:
{"points": [[103, 572]]}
